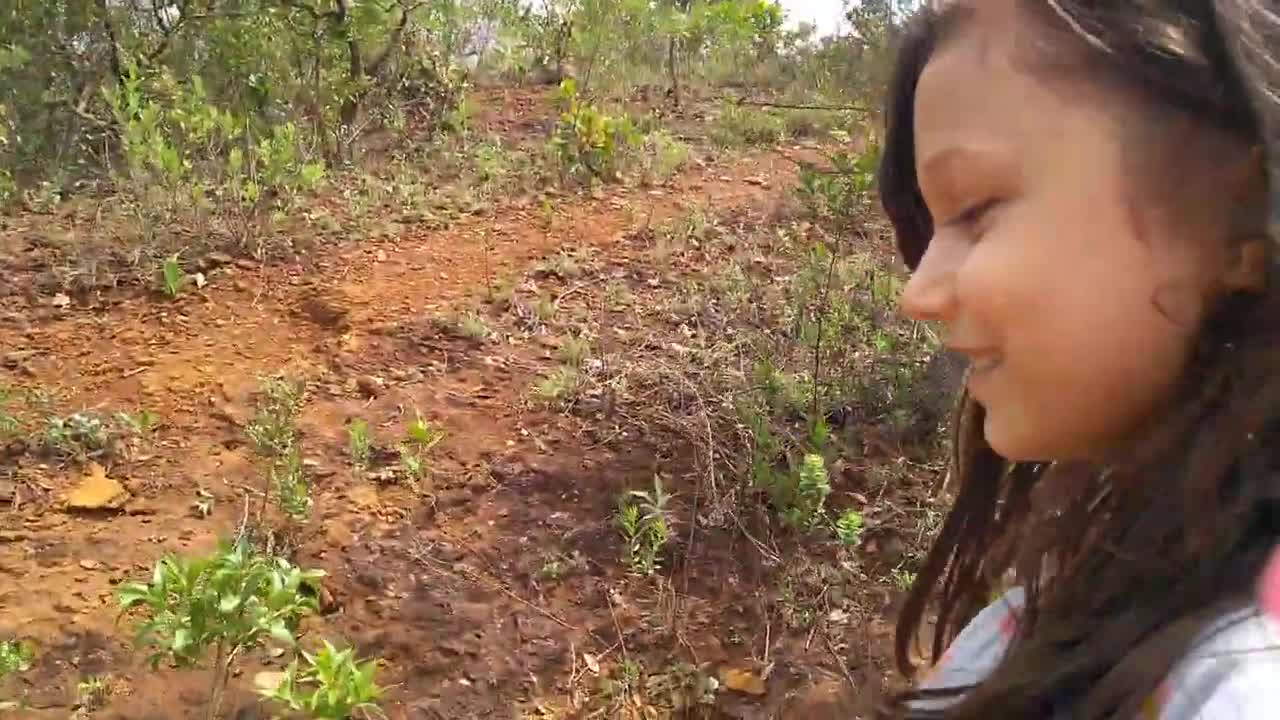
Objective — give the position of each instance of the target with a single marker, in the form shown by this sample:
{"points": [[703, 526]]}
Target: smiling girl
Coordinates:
{"points": [[1081, 190]]}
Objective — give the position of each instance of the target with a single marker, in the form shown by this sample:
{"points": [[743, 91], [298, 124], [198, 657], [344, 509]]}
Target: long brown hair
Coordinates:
{"points": [[1148, 551]]}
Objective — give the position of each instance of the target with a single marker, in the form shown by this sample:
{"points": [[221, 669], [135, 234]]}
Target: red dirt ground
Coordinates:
{"points": [[443, 586]]}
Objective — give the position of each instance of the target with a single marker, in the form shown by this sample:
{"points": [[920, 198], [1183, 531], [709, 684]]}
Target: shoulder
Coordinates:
{"points": [[1232, 673], [980, 646]]}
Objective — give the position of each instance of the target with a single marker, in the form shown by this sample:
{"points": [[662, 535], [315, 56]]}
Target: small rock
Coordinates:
{"points": [[90, 564], [267, 681], [370, 386], [215, 260], [13, 359]]}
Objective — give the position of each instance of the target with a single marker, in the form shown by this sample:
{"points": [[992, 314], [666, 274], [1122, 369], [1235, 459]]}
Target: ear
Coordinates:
{"points": [[1247, 268], [1249, 241]]}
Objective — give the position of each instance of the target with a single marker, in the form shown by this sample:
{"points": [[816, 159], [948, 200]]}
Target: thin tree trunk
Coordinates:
{"points": [[673, 71]]}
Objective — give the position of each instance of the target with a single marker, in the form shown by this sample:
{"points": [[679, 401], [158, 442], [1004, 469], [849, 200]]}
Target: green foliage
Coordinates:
{"points": [[139, 423], [330, 684], [589, 143], [281, 82], [91, 693], [420, 437], [272, 429], [643, 522], [663, 156], [289, 485], [423, 435], [359, 444], [849, 528], [84, 436], [172, 277], [228, 602], [840, 195], [559, 386], [15, 657], [574, 350], [804, 494], [740, 126]]}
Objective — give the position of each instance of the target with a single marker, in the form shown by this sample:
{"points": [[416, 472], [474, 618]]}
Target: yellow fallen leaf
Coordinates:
{"points": [[743, 681], [96, 491], [267, 681]]}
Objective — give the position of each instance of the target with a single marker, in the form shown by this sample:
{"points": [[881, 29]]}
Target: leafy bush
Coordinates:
{"points": [[589, 143], [738, 126], [228, 602], [644, 526], [839, 196], [330, 684]]}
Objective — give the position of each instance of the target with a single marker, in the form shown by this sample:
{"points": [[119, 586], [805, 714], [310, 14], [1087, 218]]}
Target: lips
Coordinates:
{"points": [[981, 360], [985, 364]]}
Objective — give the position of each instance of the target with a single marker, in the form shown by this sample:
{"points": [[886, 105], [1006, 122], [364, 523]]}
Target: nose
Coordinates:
{"points": [[930, 294]]}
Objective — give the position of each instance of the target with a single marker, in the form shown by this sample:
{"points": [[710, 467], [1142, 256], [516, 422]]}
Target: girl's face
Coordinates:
{"points": [[1060, 265]]}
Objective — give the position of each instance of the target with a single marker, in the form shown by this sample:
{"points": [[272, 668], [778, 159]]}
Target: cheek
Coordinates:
{"points": [[1087, 353]]}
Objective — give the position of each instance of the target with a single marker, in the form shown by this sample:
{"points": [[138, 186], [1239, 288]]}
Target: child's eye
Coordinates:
{"points": [[974, 214]]}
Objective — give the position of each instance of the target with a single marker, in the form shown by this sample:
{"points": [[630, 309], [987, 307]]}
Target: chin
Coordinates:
{"points": [[1010, 443]]}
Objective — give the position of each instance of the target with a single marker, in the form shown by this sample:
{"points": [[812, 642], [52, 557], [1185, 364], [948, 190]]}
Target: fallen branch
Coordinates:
{"points": [[802, 106]]}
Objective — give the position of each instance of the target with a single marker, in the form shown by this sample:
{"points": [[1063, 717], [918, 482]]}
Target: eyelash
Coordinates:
{"points": [[974, 214]]}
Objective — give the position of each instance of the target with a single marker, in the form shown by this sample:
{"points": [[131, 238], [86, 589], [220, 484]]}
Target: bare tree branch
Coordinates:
{"points": [[790, 106], [393, 42]]}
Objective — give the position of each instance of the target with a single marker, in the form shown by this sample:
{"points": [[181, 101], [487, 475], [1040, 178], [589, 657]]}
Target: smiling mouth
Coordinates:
{"points": [[983, 365]]}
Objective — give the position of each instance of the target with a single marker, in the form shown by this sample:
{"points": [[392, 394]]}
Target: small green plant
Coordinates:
{"points": [[228, 602], [587, 143], [420, 437], [330, 684], [412, 464], [91, 693], [903, 578], [849, 527], [574, 350], [664, 155], [15, 658], [423, 435], [644, 526], [810, 493], [559, 386], [289, 486], [839, 195], [80, 436], [272, 429], [140, 423], [172, 277], [544, 310], [473, 327], [10, 425], [738, 126], [359, 445]]}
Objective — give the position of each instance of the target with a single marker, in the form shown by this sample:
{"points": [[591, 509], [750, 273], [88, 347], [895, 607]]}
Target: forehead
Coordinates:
{"points": [[1002, 73], [971, 82]]}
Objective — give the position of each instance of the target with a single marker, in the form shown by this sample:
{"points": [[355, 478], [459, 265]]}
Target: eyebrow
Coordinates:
{"points": [[954, 157]]}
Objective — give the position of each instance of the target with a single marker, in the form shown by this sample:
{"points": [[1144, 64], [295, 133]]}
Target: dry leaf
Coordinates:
{"points": [[741, 680], [96, 491]]}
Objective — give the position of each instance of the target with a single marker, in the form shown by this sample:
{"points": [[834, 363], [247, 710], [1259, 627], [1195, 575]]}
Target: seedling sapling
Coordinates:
{"points": [[329, 685], [228, 602]]}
